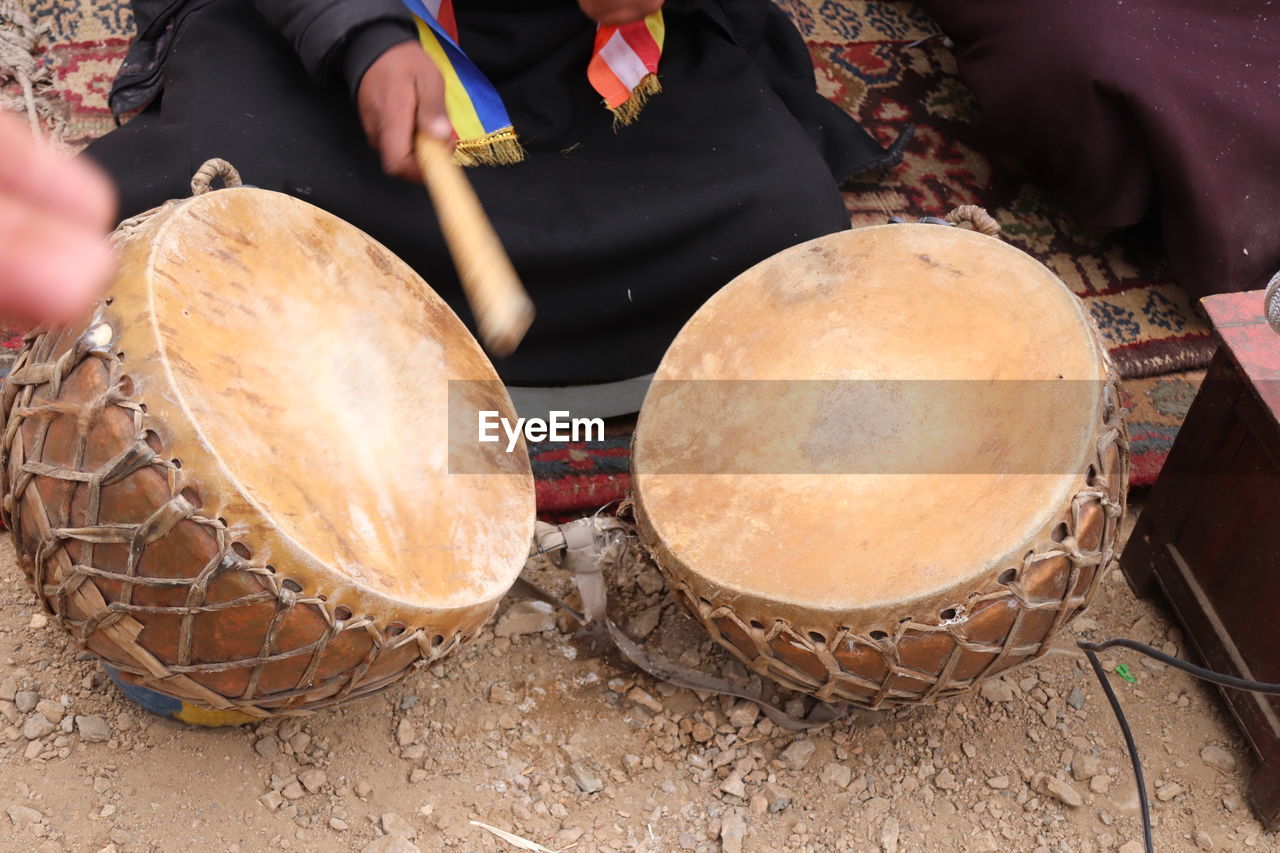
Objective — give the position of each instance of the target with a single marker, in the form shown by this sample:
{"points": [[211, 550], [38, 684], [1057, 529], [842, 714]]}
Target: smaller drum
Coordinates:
{"points": [[232, 483], [885, 464]]}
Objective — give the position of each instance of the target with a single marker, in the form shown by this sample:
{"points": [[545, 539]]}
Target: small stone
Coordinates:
{"points": [[393, 824], [758, 804], [985, 842], [889, 833], [836, 774], [945, 780], [293, 791], [1059, 789], [743, 714], [1100, 784], [337, 824], [26, 700], [642, 624], [996, 690], [733, 786], [501, 694], [272, 800], [797, 755], [38, 621], [9, 689], [644, 699], [390, 844], [1085, 767], [36, 727], [1204, 840], [1218, 758], [732, 832], [93, 729], [299, 743], [405, 735], [1130, 846], [779, 797], [51, 710], [1168, 791], [585, 778], [1076, 698], [268, 747], [23, 815], [526, 617], [313, 780], [701, 732], [998, 782], [363, 789], [417, 775]]}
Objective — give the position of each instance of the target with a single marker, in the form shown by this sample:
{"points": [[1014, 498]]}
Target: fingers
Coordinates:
{"points": [[53, 265], [402, 94], [432, 118], [614, 13], [35, 173], [395, 135]]}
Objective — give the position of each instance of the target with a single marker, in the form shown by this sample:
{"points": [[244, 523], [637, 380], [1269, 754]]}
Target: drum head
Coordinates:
{"points": [[828, 433], [311, 368]]}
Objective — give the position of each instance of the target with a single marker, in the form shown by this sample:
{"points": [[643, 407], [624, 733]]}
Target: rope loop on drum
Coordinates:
{"points": [[977, 217], [201, 183], [215, 167]]}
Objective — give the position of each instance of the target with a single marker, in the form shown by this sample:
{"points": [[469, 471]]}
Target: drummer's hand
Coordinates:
{"points": [[615, 12], [402, 93], [54, 217]]}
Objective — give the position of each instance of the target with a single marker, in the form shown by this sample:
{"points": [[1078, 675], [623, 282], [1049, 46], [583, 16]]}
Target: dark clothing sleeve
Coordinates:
{"points": [[367, 44], [321, 30], [333, 38]]}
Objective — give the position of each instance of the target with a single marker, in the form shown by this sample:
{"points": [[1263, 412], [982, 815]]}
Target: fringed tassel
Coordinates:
{"points": [[629, 110], [499, 148]]}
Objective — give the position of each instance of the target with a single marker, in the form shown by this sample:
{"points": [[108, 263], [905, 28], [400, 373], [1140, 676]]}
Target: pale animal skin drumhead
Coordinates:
{"points": [[314, 367], [898, 302]]}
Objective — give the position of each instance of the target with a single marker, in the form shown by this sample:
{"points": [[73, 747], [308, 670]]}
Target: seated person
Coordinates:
{"points": [[620, 224], [1162, 113]]}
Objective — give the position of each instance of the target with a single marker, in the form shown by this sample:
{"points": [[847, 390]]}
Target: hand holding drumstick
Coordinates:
{"points": [[401, 101]]}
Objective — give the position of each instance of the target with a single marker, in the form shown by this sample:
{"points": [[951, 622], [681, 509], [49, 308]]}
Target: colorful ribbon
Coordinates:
{"points": [[623, 69]]}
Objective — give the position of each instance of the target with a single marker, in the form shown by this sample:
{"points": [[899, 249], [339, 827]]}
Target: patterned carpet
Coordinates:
{"points": [[880, 60]]}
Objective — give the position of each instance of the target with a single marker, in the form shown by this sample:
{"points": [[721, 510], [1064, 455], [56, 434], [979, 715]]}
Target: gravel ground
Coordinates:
{"points": [[531, 732]]}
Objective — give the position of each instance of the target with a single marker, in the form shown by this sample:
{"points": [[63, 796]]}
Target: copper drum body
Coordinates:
{"points": [[232, 482], [884, 465]]}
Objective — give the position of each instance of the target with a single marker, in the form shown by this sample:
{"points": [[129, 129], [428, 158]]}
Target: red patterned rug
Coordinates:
{"points": [[881, 61]]}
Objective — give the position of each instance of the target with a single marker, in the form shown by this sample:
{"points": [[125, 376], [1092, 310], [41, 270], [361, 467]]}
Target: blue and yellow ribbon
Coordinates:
{"points": [[479, 118], [623, 70]]}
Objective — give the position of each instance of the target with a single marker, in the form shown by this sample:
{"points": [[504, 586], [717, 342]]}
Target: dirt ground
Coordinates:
{"points": [[532, 734]]}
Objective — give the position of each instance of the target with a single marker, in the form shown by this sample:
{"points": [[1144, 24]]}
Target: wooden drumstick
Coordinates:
{"points": [[502, 308]]}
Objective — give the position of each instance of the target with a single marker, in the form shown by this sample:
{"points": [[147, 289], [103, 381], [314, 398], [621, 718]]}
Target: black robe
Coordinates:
{"points": [[618, 236]]}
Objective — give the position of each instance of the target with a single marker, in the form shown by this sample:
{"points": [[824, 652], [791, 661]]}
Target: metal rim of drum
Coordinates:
{"points": [[1008, 616], [324, 638]]}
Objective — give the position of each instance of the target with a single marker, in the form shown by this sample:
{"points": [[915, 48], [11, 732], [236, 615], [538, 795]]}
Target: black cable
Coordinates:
{"points": [[1178, 663], [1091, 652], [1092, 655]]}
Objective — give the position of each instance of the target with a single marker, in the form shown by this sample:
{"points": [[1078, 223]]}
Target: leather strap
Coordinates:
{"points": [[585, 546]]}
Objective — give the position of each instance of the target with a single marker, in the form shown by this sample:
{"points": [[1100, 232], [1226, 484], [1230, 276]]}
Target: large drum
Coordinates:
{"points": [[885, 464], [233, 482]]}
